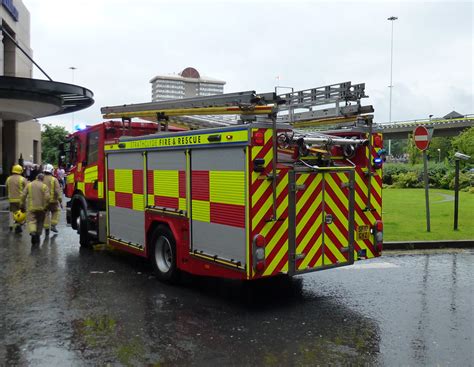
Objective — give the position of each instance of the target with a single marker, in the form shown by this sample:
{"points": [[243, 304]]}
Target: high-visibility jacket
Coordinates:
{"points": [[54, 188], [15, 185], [35, 196]]}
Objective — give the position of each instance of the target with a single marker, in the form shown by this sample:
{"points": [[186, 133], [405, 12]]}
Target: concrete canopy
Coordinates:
{"points": [[24, 99]]}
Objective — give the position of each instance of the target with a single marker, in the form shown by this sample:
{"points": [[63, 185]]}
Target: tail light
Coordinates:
{"points": [[259, 252], [258, 138], [378, 235]]}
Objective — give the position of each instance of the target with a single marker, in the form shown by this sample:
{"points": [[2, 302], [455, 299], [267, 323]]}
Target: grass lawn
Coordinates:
{"points": [[405, 219]]}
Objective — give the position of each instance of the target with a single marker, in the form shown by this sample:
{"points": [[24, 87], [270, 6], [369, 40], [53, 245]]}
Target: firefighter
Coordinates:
{"points": [[55, 199], [35, 198], [15, 185]]}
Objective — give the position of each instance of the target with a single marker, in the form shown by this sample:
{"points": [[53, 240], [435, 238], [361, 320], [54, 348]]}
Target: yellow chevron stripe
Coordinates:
{"points": [[342, 197], [300, 226], [312, 252], [280, 233], [257, 149], [331, 247], [271, 267], [305, 241], [268, 203]]}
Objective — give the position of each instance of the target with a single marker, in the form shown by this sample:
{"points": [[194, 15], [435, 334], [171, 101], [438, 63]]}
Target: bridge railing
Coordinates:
{"points": [[433, 121]]}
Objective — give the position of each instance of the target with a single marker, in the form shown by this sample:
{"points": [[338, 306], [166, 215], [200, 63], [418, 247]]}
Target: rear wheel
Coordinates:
{"points": [[163, 254]]}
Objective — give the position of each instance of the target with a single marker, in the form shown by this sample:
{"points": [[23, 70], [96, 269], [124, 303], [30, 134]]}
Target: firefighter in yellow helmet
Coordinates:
{"points": [[55, 199], [15, 185], [35, 198]]}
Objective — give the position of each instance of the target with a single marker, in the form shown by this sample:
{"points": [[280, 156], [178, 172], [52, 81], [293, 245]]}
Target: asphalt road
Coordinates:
{"points": [[60, 305]]}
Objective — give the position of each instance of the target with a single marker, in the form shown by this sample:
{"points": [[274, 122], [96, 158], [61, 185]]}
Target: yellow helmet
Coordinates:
{"points": [[17, 169], [19, 217]]}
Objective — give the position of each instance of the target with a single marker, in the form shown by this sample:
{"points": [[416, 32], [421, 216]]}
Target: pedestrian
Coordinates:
{"points": [[55, 199], [61, 174], [15, 185], [35, 198]]}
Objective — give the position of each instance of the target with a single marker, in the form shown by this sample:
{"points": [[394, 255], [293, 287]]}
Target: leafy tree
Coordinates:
{"points": [[444, 146], [414, 154], [51, 138], [464, 143]]}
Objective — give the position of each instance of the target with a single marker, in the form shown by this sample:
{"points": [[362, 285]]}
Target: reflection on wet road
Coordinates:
{"points": [[60, 305]]}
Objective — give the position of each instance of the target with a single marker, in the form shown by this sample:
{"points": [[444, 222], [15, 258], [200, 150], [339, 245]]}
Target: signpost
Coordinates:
{"points": [[422, 137]]}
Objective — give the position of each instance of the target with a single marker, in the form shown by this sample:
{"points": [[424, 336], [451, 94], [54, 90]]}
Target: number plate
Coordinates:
{"points": [[363, 232]]}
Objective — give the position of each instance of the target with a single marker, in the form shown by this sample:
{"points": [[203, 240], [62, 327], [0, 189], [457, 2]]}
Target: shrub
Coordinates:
{"points": [[407, 180]]}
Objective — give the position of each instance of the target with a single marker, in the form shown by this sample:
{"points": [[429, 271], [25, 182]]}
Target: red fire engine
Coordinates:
{"points": [[255, 197]]}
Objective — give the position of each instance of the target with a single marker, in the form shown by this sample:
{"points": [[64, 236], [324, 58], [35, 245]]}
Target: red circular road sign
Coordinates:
{"points": [[421, 136]]}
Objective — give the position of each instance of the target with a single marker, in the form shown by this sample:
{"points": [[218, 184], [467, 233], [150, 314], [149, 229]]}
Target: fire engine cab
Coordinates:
{"points": [[252, 189]]}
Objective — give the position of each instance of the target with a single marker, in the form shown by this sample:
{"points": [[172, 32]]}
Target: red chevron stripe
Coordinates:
{"points": [[268, 214], [303, 211], [343, 208], [283, 239], [311, 222], [313, 239], [329, 255], [310, 201], [282, 196], [307, 182], [281, 264], [335, 241], [258, 205], [344, 231], [316, 257]]}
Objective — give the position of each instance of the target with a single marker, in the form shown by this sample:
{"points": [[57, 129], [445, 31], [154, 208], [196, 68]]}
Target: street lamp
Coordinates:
{"points": [[439, 155], [72, 68], [391, 19]]}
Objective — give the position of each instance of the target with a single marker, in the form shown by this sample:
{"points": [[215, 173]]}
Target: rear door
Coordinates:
{"points": [[321, 212]]}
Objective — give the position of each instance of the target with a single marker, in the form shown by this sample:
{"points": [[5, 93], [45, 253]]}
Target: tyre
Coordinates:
{"points": [[83, 228], [163, 254]]}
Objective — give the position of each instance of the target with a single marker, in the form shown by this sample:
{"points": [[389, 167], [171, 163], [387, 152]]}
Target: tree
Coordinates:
{"points": [[464, 143], [444, 146], [51, 138]]}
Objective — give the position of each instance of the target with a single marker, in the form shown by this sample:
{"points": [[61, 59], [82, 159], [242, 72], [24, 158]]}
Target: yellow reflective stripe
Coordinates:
{"points": [[111, 196], [138, 202], [166, 183], [227, 187], [201, 210], [91, 174], [182, 204], [70, 178], [100, 189], [124, 180], [81, 186], [30, 199]]}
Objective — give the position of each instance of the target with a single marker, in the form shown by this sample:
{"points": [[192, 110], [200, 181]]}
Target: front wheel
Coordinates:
{"points": [[83, 228], [163, 254]]}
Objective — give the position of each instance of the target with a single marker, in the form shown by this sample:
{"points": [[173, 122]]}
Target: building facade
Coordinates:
{"points": [[189, 83], [16, 137]]}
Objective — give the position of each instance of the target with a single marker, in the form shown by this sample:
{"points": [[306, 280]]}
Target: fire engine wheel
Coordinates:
{"points": [[82, 228], [163, 254]]}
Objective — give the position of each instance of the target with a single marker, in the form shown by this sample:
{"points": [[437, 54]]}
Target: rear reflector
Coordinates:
{"points": [[258, 138], [260, 266], [379, 226]]}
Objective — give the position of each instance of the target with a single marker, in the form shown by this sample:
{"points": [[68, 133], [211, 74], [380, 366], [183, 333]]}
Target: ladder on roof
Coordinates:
{"points": [[344, 97], [297, 108]]}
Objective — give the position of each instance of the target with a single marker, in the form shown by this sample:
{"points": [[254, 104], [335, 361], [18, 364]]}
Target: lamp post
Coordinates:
{"points": [[391, 19], [72, 68], [439, 155]]}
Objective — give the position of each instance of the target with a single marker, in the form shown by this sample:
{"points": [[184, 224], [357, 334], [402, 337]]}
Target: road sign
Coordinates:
{"points": [[422, 137]]}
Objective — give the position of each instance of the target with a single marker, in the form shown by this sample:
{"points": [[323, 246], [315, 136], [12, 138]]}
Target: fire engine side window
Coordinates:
{"points": [[92, 147]]}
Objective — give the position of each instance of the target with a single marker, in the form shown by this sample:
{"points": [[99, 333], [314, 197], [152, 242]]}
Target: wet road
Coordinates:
{"points": [[60, 305]]}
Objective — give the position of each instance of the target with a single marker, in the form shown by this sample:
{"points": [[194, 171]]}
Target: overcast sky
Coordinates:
{"points": [[117, 46]]}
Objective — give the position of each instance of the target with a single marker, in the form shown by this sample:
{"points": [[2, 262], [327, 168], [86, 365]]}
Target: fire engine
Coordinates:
{"points": [[253, 188]]}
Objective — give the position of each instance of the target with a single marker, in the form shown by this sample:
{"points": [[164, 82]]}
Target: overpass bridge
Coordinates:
{"points": [[441, 126]]}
